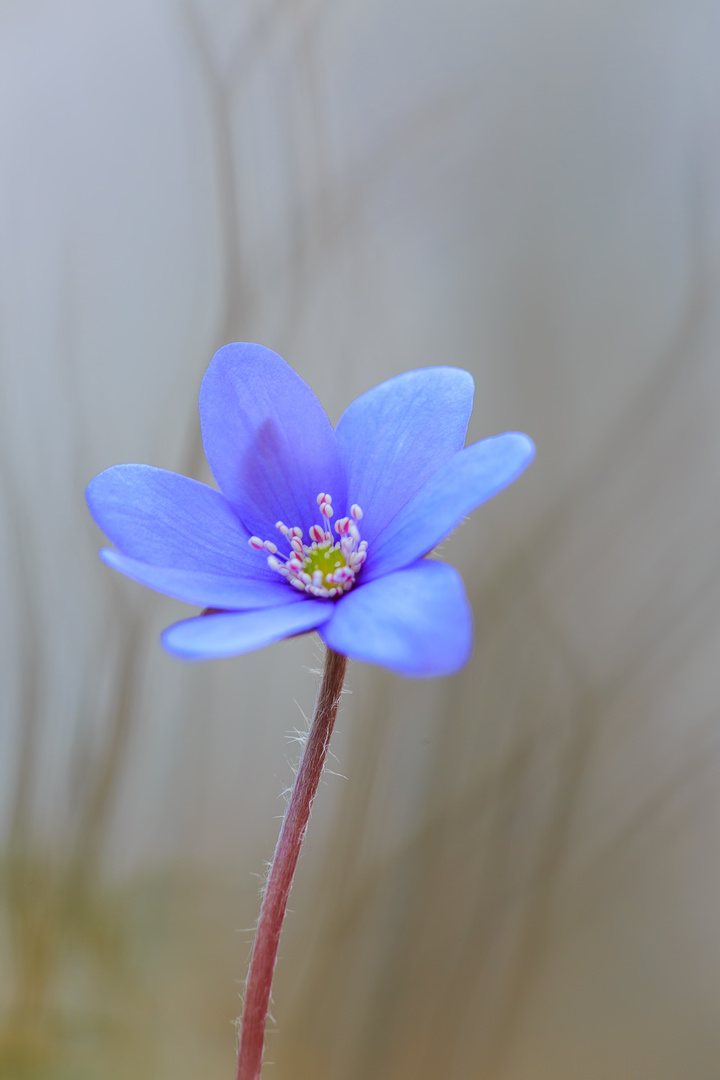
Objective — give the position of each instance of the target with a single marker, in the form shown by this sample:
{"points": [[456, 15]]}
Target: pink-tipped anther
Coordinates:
{"points": [[322, 569]]}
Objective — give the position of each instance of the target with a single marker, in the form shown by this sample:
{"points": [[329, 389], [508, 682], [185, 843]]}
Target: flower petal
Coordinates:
{"points": [[395, 436], [203, 589], [210, 637], [467, 480], [417, 622], [165, 519], [267, 439]]}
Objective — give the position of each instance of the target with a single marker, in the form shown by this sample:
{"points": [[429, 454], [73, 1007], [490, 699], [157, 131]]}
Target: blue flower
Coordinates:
{"points": [[313, 528]]}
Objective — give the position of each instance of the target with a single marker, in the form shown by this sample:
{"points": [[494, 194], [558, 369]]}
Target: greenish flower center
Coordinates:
{"points": [[325, 558]]}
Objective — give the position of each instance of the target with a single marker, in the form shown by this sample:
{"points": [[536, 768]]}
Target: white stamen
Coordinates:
{"points": [[334, 576]]}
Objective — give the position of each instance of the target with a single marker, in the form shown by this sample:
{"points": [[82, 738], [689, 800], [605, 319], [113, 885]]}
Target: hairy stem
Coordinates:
{"points": [[282, 870]]}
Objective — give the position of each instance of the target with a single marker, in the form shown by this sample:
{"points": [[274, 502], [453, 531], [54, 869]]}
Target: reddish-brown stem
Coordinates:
{"points": [[277, 889]]}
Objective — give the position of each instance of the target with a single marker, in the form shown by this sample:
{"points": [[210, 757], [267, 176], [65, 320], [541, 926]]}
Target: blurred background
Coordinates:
{"points": [[513, 874]]}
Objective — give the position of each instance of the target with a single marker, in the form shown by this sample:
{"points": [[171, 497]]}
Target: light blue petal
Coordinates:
{"points": [[268, 441], [467, 480], [203, 589], [395, 436], [159, 517], [417, 622], [211, 637]]}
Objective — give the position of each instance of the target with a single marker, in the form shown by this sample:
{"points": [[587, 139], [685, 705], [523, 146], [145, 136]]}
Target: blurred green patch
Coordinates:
{"points": [[117, 980]]}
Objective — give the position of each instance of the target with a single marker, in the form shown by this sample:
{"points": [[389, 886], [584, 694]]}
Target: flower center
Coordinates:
{"points": [[322, 568]]}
